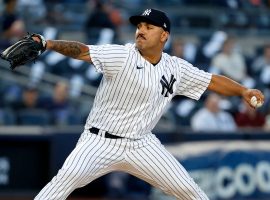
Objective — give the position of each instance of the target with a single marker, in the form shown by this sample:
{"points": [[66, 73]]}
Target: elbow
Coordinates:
{"points": [[212, 84]]}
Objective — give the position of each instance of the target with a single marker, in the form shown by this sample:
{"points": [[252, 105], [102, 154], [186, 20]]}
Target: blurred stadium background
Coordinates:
{"points": [[43, 105]]}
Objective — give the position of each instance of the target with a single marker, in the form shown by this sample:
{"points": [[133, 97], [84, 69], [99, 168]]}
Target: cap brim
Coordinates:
{"points": [[135, 20]]}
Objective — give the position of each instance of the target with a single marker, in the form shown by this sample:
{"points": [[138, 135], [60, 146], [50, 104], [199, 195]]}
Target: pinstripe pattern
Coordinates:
{"points": [[152, 159], [130, 100], [145, 158], [91, 159]]}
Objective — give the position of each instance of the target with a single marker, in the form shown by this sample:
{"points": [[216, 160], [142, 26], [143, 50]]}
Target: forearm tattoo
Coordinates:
{"points": [[68, 48]]}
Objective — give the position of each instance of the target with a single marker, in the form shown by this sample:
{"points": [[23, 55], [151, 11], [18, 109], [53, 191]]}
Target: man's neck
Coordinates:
{"points": [[152, 58]]}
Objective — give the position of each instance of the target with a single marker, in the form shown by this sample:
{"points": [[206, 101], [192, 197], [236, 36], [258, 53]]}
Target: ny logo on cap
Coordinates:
{"points": [[147, 12]]}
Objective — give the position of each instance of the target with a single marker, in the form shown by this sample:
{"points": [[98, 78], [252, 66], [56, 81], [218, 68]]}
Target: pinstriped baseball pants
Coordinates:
{"points": [[146, 158]]}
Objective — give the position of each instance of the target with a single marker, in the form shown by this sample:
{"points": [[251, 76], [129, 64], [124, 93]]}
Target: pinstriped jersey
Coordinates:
{"points": [[133, 93]]}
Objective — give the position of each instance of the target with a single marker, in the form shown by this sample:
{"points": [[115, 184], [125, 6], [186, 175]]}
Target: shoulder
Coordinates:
{"points": [[109, 46], [237, 55], [204, 114], [220, 56], [225, 114], [130, 46], [118, 47], [176, 61], [109, 49]]}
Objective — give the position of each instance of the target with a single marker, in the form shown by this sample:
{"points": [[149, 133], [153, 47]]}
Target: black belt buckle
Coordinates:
{"points": [[95, 130]]}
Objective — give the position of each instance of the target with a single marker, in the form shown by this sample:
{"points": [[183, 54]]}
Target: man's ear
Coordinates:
{"points": [[164, 36]]}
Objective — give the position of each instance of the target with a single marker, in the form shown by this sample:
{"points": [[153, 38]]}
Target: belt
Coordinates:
{"points": [[95, 130]]}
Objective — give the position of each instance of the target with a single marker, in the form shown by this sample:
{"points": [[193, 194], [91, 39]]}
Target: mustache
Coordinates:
{"points": [[140, 35]]}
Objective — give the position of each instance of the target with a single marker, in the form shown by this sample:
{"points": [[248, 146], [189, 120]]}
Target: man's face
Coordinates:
{"points": [[213, 102], [267, 53], [30, 98], [148, 36]]}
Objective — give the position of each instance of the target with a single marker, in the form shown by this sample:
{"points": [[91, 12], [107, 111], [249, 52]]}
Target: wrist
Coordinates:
{"points": [[48, 44], [243, 91]]}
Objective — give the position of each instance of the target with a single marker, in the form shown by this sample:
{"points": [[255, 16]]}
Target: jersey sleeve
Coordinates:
{"points": [[108, 59], [193, 81]]}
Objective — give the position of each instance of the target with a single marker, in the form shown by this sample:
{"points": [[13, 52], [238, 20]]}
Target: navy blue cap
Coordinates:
{"points": [[152, 16]]}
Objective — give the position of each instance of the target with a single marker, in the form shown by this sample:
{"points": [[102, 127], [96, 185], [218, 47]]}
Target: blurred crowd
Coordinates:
{"points": [[217, 113], [106, 21]]}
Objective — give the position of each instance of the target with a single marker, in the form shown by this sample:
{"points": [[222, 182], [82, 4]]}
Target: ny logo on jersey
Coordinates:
{"points": [[146, 12], [167, 85]]}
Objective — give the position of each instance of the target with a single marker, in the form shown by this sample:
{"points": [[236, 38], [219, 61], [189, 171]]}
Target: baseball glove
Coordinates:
{"points": [[24, 51]]}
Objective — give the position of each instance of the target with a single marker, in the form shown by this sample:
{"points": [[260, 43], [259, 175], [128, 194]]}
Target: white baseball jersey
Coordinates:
{"points": [[130, 100], [133, 93]]}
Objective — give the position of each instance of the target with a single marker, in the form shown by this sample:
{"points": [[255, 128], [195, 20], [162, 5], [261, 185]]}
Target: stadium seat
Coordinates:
{"points": [[33, 117], [8, 117]]}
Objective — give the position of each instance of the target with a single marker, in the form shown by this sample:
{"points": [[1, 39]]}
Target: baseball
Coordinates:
{"points": [[255, 103]]}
